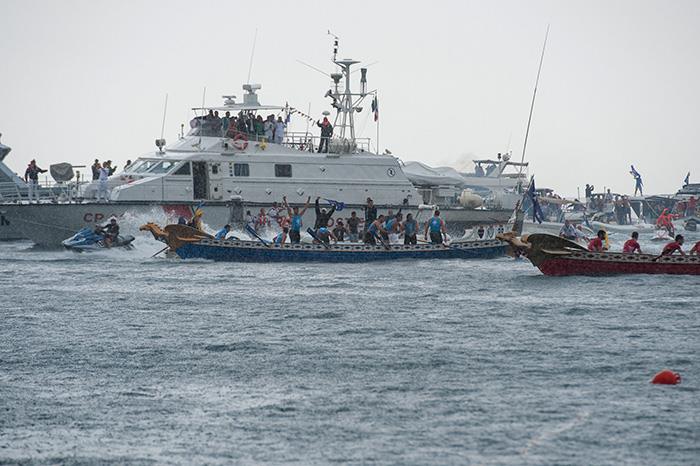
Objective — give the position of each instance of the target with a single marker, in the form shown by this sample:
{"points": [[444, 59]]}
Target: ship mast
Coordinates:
{"points": [[345, 101]]}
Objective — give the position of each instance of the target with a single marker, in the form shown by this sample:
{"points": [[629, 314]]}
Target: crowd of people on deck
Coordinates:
{"points": [[249, 125], [374, 228]]}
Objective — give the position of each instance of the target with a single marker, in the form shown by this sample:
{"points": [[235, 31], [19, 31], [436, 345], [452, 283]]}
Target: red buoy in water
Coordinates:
{"points": [[667, 377]]}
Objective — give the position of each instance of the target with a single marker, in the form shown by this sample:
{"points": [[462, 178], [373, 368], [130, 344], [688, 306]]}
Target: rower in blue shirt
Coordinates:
{"points": [[410, 228], [221, 234], [374, 229], [295, 223], [436, 226]]}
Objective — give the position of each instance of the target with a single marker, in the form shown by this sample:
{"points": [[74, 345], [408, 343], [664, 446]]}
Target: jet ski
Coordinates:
{"points": [[87, 240]]}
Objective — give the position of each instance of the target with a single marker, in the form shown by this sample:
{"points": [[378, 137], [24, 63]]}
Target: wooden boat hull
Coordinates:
{"points": [[250, 251], [639, 264], [559, 257]]}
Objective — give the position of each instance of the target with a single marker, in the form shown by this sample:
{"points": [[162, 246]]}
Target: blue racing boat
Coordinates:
{"points": [[189, 243]]}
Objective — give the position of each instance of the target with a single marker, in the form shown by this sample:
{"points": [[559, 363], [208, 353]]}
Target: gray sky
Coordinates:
{"points": [[619, 84]]}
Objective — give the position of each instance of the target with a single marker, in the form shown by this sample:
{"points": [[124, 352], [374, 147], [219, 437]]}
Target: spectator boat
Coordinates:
{"points": [[559, 257], [234, 170]]}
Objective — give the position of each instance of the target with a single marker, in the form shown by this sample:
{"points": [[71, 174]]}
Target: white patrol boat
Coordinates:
{"points": [[238, 169]]}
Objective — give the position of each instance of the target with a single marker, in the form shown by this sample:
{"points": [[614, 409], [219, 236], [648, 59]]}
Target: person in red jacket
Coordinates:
{"points": [[596, 244], [695, 250], [674, 246], [632, 245]]}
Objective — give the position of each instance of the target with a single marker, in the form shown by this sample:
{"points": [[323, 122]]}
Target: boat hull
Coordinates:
{"points": [[47, 224], [566, 266], [560, 257], [248, 251]]}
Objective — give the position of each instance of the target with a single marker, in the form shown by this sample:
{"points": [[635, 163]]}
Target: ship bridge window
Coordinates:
{"points": [[183, 170], [201, 126], [143, 166], [163, 167], [239, 169], [283, 170]]}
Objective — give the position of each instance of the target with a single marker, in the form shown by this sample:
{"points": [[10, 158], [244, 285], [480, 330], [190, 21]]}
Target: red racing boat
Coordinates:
{"points": [[559, 257]]}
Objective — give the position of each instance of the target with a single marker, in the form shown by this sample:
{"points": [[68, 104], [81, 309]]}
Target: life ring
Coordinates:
{"points": [[240, 142]]}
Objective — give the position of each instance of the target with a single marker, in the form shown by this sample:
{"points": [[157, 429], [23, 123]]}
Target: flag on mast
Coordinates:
{"points": [[375, 108], [537, 215], [686, 181]]}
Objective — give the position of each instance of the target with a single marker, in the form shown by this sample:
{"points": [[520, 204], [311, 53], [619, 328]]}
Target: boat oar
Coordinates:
{"points": [[154, 255], [250, 230], [446, 245], [381, 240], [313, 235]]}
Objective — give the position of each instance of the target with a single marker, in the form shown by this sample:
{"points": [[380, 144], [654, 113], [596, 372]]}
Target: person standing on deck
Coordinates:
{"points": [[632, 245], [295, 220], [102, 187], [96, 170], [31, 177], [394, 227], [410, 229], [353, 222], [326, 133], [262, 221], [436, 227], [370, 212], [279, 131], [322, 215], [225, 123], [339, 231], [269, 128]]}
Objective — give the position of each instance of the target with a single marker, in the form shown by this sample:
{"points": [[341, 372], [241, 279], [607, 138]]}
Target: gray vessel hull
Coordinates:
{"points": [[48, 224]]}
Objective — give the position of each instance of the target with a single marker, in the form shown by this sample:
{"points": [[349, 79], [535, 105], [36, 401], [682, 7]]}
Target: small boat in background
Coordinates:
{"points": [[560, 257], [190, 243]]}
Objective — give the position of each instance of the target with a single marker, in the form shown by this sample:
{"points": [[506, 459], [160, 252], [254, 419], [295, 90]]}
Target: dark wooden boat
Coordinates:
{"points": [[557, 256], [189, 243]]}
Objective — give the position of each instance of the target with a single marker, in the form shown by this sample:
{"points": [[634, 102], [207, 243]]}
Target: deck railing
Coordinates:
{"points": [[47, 191]]}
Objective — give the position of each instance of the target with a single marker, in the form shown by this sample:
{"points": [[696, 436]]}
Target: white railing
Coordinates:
{"points": [[11, 192], [308, 142]]}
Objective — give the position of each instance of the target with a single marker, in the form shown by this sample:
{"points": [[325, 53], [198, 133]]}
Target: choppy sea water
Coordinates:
{"points": [[117, 357]]}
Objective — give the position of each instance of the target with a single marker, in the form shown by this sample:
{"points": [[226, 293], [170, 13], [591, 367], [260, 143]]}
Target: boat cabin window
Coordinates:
{"points": [[143, 166], [241, 169], [200, 126], [163, 167], [183, 170], [283, 170]]}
